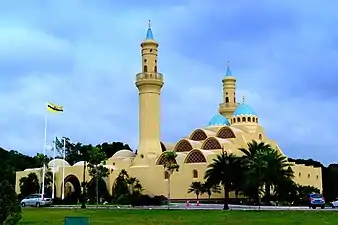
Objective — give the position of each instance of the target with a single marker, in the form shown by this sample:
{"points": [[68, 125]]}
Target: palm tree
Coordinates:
{"points": [[196, 188], [170, 165], [254, 148], [210, 188], [266, 168], [222, 171], [254, 164], [277, 170]]}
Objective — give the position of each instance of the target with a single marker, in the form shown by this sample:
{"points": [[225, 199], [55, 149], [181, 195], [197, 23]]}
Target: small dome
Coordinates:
{"points": [[79, 163], [218, 120], [125, 153], [244, 109], [58, 162]]}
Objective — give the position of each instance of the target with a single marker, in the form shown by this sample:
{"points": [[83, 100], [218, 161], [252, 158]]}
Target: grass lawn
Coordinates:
{"points": [[54, 216]]}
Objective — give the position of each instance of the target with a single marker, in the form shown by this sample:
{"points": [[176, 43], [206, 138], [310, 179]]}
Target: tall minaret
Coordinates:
{"points": [[228, 106], [149, 84]]}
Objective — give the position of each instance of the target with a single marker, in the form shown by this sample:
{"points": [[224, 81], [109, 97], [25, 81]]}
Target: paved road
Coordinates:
{"points": [[206, 207]]}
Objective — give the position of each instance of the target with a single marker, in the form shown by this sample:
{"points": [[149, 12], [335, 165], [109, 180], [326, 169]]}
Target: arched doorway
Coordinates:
{"points": [[102, 191], [72, 189]]}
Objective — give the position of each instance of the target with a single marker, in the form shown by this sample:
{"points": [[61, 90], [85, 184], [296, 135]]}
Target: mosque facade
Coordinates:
{"points": [[232, 128]]}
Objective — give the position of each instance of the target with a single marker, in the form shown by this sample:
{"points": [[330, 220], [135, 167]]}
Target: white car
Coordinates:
{"points": [[36, 200], [334, 203]]}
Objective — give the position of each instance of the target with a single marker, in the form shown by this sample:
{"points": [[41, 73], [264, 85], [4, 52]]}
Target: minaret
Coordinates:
{"points": [[228, 106], [149, 84]]}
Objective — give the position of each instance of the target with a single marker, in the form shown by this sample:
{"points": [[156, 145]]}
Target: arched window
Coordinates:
{"points": [[145, 68], [308, 176], [238, 119], [227, 100], [198, 135], [211, 143], [183, 146], [249, 119], [195, 156], [225, 132], [166, 175], [300, 174], [260, 137], [256, 120], [317, 177], [195, 174], [155, 69], [243, 119]]}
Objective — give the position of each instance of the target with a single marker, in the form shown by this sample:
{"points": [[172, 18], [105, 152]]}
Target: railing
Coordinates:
{"points": [[226, 105], [149, 76]]}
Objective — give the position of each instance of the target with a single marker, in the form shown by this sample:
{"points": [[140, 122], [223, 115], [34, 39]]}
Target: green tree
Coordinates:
{"points": [[111, 148], [126, 189], [134, 186], [210, 188], [10, 209], [196, 187], [277, 171], [267, 168], [170, 166], [29, 184], [96, 166], [222, 171]]}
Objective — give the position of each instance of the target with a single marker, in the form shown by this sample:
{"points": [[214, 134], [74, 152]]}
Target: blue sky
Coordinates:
{"points": [[85, 54]]}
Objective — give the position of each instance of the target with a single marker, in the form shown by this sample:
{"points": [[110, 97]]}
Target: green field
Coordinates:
{"points": [[52, 216]]}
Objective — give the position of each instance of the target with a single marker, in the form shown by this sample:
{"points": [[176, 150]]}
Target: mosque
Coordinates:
{"points": [[235, 125]]}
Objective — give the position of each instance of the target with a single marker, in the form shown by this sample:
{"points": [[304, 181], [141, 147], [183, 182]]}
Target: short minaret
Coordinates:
{"points": [[149, 84], [228, 106]]}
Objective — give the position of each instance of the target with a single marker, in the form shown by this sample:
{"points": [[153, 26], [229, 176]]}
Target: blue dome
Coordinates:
{"points": [[218, 120], [244, 109]]}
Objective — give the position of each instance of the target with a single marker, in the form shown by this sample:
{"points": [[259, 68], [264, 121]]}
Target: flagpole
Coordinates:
{"points": [[63, 168], [53, 187], [44, 154]]}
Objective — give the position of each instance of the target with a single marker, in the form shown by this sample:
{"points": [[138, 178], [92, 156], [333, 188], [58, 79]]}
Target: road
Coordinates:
{"points": [[193, 206]]}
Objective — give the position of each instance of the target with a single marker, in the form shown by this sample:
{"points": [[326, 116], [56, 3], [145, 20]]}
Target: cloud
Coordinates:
{"points": [[85, 56]]}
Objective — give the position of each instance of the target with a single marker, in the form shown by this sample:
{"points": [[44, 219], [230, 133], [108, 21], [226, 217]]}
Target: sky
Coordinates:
{"points": [[85, 54]]}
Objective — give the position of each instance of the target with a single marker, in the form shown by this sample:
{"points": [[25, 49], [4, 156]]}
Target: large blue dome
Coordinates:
{"points": [[244, 109], [218, 120]]}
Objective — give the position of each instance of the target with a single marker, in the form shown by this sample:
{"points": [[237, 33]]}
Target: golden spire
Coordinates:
{"points": [[149, 24], [243, 99]]}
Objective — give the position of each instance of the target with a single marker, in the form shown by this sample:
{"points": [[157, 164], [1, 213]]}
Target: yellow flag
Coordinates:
{"points": [[54, 108]]}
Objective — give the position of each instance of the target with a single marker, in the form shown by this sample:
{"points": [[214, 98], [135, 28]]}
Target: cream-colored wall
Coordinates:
{"points": [[308, 175]]}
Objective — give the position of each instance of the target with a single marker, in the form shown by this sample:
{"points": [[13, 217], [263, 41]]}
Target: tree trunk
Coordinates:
{"points": [[226, 199], [169, 187], [267, 193]]}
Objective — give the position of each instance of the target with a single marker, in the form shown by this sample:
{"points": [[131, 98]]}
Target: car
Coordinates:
{"points": [[36, 200], [316, 200], [334, 203]]}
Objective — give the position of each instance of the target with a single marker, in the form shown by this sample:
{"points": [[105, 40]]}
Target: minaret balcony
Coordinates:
{"points": [[227, 106], [149, 76]]}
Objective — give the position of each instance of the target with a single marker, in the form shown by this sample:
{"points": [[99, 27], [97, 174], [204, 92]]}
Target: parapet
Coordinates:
{"points": [[149, 76]]}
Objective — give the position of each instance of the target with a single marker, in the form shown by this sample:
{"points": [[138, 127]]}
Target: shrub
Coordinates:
{"points": [[10, 209]]}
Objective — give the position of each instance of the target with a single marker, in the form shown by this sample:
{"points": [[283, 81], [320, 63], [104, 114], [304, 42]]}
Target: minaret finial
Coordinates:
{"points": [[243, 99], [228, 65], [149, 24]]}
